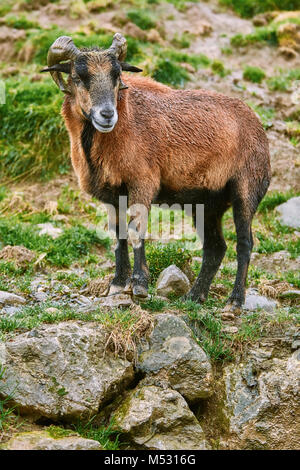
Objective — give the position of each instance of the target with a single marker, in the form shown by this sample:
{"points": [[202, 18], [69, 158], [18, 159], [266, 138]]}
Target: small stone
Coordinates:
{"points": [[6, 298], [290, 212], [172, 281], [230, 329], [50, 230], [295, 344], [115, 301], [42, 440], [255, 301], [52, 310], [10, 311]]}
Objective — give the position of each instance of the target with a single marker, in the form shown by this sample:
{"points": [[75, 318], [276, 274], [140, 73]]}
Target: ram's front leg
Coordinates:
{"points": [[140, 199], [117, 223], [136, 232]]}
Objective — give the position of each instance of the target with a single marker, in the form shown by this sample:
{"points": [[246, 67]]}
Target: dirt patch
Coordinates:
{"points": [[19, 255]]}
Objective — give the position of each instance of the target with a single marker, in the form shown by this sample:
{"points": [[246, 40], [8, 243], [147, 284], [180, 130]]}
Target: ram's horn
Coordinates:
{"points": [[119, 47], [62, 49]]}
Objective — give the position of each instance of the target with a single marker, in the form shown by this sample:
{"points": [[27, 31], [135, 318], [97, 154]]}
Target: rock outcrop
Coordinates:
{"points": [[156, 418], [172, 355], [61, 371], [42, 440], [262, 401]]}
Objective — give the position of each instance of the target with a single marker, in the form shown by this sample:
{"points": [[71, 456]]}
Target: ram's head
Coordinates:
{"points": [[94, 77]]}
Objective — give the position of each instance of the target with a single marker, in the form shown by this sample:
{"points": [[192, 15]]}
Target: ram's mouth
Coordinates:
{"points": [[104, 128]]}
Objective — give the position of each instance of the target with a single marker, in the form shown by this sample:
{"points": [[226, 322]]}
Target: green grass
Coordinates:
{"points": [[218, 68], [168, 68], [266, 114], [107, 436], [143, 18], [161, 256], [207, 328], [20, 22], [283, 80], [170, 73], [33, 139], [182, 41], [7, 416], [249, 8], [73, 244], [253, 74], [274, 199], [265, 34]]}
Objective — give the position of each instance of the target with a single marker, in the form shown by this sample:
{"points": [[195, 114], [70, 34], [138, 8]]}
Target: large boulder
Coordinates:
{"points": [[156, 418], [172, 281], [262, 401], [62, 371], [172, 354], [42, 440]]}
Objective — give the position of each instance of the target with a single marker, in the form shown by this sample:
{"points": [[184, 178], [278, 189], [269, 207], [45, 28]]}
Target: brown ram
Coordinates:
{"points": [[135, 137]]}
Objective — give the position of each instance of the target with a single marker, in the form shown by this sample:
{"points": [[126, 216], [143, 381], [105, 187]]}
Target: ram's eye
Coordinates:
{"points": [[76, 79]]}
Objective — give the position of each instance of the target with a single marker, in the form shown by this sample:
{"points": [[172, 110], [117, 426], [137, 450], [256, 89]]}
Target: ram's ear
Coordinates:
{"points": [[130, 68], [65, 68]]}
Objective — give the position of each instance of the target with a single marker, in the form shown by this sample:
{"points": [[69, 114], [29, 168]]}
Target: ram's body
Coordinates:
{"points": [[185, 143]]}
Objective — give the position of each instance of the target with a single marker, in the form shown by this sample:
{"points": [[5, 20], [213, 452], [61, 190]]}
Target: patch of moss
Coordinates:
{"points": [[253, 74], [249, 8]]}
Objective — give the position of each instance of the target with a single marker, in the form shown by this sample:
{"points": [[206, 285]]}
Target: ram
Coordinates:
{"points": [[135, 137]]}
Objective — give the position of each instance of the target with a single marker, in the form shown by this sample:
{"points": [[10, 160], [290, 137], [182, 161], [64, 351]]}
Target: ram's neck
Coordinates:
{"points": [[94, 155]]}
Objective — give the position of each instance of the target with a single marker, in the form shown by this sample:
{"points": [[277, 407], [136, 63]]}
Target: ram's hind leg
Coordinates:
{"points": [[245, 199], [214, 249]]}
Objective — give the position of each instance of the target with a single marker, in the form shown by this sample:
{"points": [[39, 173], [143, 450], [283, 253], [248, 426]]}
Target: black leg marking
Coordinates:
{"points": [[214, 249]]}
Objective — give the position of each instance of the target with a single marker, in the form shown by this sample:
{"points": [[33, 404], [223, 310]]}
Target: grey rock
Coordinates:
{"points": [[6, 298], [276, 262], [255, 301], [290, 212], [61, 372], [172, 353], [116, 300], [262, 401], [172, 281], [159, 419], [50, 230], [42, 440]]}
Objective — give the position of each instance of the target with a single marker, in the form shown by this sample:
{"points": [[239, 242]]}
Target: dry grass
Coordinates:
{"points": [[273, 288], [124, 332]]}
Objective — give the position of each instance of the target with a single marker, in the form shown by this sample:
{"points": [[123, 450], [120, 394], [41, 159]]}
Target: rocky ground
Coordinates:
{"points": [[80, 370]]}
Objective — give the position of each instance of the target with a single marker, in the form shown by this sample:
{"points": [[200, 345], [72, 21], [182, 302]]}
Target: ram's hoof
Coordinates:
{"points": [[139, 292], [113, 290], [231, 310]]}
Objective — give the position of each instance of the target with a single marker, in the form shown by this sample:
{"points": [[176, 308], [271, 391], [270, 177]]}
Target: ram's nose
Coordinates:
{"points": [[107, 113]]}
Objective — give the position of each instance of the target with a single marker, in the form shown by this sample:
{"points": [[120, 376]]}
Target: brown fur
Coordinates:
{"points": [[181, 139]]}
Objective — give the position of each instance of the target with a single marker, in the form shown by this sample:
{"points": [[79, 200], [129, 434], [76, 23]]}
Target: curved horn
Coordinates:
{"points": [[119, 46], [62, 49]]}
